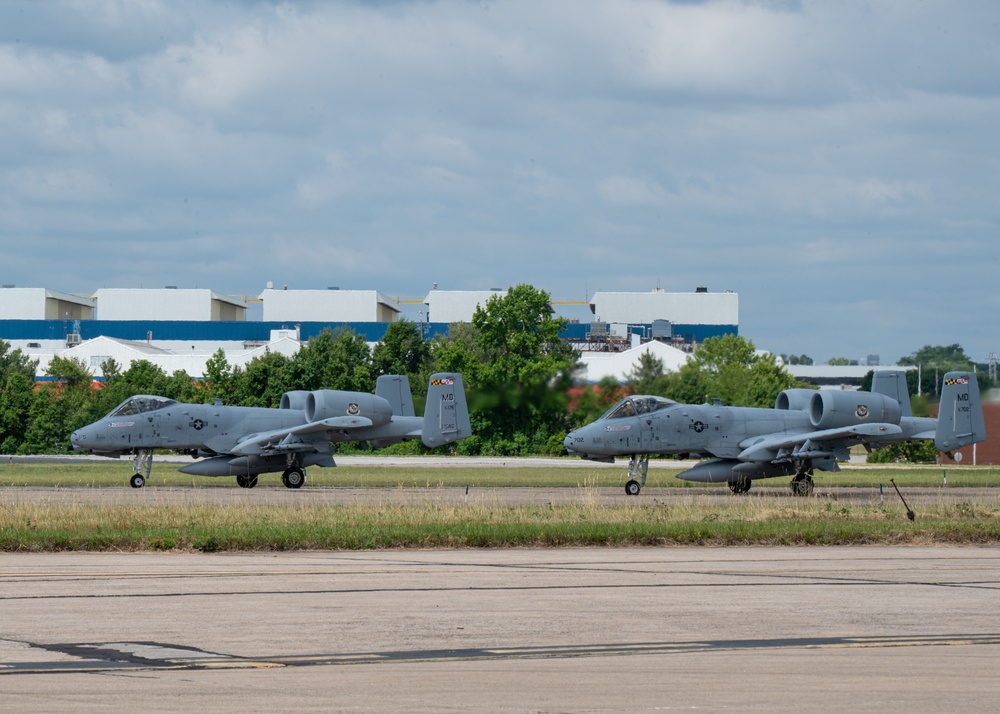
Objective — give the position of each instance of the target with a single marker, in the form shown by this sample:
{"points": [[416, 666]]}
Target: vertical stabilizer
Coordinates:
{"points": [[960, 415], [892, 383], [395, 389], [446, 416]]}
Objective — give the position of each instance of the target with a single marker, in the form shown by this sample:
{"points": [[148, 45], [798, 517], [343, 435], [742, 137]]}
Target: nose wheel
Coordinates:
{"points": [[638, 465], [142, 464]]}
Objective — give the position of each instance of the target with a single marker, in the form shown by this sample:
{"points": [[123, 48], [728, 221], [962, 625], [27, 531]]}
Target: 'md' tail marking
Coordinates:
{"points": [[446, 416], [960, 414]]}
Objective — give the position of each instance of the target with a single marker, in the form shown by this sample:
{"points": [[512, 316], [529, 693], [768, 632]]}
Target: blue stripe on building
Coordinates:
{"points": [[201, 331]]}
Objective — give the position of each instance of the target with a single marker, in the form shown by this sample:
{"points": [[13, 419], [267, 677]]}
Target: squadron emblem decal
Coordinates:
{"points": [[353, 409], [862, 411]]}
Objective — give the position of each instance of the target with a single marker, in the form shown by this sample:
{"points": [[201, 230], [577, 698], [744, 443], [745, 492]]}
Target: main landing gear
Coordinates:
{"points": [[740, 486], [246, 481], [638, 462], [293, 477], [802, 483], [142, 464]]}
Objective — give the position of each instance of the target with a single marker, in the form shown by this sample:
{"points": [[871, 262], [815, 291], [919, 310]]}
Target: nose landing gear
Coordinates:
{"points": [[638, 462], [142, 464]]}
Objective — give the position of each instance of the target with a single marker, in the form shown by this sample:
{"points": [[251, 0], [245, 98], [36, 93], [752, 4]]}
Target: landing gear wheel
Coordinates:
{"points": [[802, 485], [136, 481], [632, 488], [293, 478], [246, 481], [738, 486]]}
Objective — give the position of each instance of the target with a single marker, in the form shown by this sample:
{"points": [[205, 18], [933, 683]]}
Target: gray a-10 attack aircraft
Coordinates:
{"points": [[807, 429], [247, 441]]}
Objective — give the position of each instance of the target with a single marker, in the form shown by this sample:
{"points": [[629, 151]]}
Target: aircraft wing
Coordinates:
{"points": [[811, 444], [285, 440]]}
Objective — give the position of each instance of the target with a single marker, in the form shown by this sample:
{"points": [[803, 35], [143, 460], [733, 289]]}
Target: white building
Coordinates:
{"points": [[618, 365], [42, 304], [150, 304], [697, 308], [93, 353], [450, 306], [331, 305]]}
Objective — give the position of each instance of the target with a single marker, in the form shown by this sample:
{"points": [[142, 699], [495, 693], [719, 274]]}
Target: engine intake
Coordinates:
{"points": [[294, 400], [794, 399]]}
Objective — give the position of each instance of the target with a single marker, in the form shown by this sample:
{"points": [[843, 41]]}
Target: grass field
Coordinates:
{"points": [[116, 473], [585, 521]]}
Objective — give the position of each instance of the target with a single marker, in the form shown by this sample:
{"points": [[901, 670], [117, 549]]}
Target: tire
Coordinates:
{"points": [[137, 481], [246, 481], [802, 486], [632, 488], [739, 486], [293, 478]]}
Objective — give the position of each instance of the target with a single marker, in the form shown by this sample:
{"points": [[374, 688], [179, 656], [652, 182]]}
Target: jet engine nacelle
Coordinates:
{"points": [[294, 400], [832, 409], [328, 403], [794, 399]]}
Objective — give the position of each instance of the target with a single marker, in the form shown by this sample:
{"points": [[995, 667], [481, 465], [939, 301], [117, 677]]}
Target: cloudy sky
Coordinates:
{"points": [[836, 164]]}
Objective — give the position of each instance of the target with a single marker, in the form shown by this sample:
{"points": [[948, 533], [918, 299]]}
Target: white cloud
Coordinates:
{"points": [[759, 146], [625, 191]]}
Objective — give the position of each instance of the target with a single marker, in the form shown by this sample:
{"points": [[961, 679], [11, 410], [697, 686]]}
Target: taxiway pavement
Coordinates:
{"points": [[554, 630]]}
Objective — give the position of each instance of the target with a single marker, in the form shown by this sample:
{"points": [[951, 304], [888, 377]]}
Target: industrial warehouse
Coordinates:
{"points": [[179, 329]]}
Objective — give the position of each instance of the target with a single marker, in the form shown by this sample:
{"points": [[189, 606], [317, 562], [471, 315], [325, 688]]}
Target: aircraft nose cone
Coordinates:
{"points": [[81, 439]]}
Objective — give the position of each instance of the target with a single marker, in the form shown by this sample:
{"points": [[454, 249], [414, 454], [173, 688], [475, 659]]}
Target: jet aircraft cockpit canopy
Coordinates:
{"points": [[140, 404], [633, 406]]}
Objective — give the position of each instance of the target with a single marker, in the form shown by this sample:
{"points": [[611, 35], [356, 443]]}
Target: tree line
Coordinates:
{"points": [[519, 378]]}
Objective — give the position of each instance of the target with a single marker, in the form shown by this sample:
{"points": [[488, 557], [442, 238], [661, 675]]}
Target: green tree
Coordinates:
{"points": [[922, 451], [70, 372], [111, 369], [263, 381], [220, 379], [73, 394], [46, 431], [934, 362], [12, 361], [838, 361], [729, 369], [17, 378], [333, 360], [16, 401], [404, 351], [518, 372], [648, 376]]}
